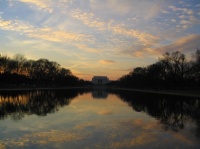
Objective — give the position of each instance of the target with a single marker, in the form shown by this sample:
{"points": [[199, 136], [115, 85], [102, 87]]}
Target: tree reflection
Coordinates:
{"points": [[171, 111], [17, 104]]}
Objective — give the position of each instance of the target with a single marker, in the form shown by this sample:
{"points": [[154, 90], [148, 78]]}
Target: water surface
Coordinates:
{"points": [[98, 118]]}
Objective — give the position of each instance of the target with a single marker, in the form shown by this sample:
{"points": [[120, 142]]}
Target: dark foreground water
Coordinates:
{"points": [[98, 119]]}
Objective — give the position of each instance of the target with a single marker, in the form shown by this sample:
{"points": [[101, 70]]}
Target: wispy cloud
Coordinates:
{"points": [[41, 33], [53, 136], [56, 36], [104, 112], [112, 6], [185, 44], [150, 9], [106, 62], [48, 5], [186, 17], [183, 10], [44, 4], [144, 38], [88, 19], [86, 48]]}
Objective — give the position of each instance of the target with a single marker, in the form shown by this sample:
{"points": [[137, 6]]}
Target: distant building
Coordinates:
{"points": [[100, 80]]}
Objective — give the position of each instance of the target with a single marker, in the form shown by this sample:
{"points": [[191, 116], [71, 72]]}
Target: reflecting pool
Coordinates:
{"points": [[98, 119]]}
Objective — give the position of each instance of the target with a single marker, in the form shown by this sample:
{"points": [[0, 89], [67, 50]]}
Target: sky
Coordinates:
{"points": [[99, 37]]}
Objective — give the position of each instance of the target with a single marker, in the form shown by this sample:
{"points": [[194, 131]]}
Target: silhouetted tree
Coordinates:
{"points": [[19, 60], [19, 72], [196, 67], [171, 71], [3, 63]]}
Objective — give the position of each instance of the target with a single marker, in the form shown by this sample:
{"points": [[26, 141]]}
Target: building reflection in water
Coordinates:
{"points": [[99, 93]]}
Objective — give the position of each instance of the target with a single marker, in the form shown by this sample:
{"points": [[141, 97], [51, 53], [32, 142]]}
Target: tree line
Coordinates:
{"points": [[19, 71], [171, 71]]}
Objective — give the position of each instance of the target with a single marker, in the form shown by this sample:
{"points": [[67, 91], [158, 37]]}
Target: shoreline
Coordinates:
{"points": [[38, 88], [189, 93]]}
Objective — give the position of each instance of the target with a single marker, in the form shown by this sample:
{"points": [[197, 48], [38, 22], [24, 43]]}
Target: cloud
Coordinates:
{"points": [[47, 34], [141, 139], [139, 54], [56, 36], [83, 126], [165, 12], [106, 62], [153, 11], [104, 112], [48, 5], [183, 10], [139, 51], [184, 22], [187, 17], [86, 48], [173, 20], [88, 19], [182, 16], [150, 9], [112, 6], [5, 24], [144, 38], [44, 4], [189, 22], [185, 44], [41, 138]]}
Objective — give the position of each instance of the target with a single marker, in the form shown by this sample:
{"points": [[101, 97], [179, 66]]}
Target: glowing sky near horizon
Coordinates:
{"points": [[99, 37]]}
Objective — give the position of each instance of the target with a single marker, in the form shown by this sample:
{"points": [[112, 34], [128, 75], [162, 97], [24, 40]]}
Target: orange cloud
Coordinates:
{"points": [[106, 62], [44, 4], [184, 44], [88, 19], [146, 39], [4, 24], [56, 36], [104, 112], [85, 48], [48, 34], [53, 136], [141, 139]]}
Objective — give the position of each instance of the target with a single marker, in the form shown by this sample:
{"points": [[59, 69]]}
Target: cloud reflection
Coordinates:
{"points": [[86, 122], [53, 136]]}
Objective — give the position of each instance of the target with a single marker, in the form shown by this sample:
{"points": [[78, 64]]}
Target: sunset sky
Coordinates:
{"points": [[99, 37]]}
